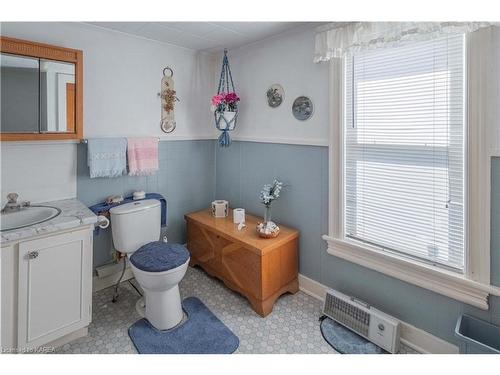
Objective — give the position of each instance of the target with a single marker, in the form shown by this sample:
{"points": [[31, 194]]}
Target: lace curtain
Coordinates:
{"points": [[333, 41]]}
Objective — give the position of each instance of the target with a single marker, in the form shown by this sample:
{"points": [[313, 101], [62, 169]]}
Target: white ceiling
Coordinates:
{"points": [[204, 36]]}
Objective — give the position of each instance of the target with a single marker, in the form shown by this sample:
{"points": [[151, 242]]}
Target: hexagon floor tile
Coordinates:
{"points": [[292, 327]]}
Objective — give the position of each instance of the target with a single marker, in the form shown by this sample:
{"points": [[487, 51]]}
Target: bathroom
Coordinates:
{"points": [[165, 210]]}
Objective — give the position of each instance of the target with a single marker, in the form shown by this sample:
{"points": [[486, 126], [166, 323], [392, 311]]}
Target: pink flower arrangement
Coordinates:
{"points": [[231, 98], [218, 99], [225, 102]]}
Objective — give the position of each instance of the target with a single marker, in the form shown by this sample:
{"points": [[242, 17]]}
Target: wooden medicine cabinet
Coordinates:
{"points": [[41, 91]]}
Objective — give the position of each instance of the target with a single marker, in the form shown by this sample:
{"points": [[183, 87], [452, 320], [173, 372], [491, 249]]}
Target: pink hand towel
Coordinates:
{"points": [[142, 156]]}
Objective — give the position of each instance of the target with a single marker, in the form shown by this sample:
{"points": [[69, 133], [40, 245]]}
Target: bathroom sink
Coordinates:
{"points": [[27, 216]]}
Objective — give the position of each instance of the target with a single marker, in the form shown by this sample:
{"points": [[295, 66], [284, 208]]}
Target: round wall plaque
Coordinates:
{"points": [[275, 95], [302, 108]]}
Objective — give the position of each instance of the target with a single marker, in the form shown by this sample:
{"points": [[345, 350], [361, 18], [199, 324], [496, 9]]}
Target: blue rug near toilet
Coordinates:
{"points": [[345, 341], [201, 333]]}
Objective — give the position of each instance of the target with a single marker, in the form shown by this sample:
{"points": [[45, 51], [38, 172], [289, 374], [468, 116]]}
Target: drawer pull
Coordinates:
{"points": [[33, 254]]}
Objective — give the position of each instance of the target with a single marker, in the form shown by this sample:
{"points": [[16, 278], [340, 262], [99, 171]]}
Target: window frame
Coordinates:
{"points": [[357, 149], [473, 286]]}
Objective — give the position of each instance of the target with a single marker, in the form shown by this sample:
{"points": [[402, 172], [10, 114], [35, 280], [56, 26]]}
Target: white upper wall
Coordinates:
{"points": [[121, 80], [122, 75], [288, 60], [38, 172]]}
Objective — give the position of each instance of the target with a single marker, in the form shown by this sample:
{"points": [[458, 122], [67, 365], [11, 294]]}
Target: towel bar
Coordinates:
{"points": [[85, 140]]}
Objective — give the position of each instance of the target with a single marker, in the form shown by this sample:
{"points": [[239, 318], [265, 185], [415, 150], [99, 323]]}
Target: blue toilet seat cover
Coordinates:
{"points": [[159, 256]]}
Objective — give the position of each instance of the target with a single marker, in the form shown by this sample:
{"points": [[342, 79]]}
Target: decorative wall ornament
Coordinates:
{"points": [[302, 108], [275, 95], [225, 104], [269, 193], [168, 98]]}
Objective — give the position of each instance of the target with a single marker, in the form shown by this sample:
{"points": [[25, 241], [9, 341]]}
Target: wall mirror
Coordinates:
{"points": [[40, 91]]}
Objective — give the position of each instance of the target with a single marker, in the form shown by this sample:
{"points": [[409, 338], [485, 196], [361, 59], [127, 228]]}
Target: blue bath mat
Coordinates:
{"points": [[345, 341], [201, 333]]}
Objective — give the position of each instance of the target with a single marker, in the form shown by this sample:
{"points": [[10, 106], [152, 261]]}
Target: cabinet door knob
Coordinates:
{"points": [[33, 254]]}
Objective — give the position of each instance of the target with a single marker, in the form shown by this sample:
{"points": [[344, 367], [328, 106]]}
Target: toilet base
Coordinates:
{"points": [[140, 307], [163, 309]]}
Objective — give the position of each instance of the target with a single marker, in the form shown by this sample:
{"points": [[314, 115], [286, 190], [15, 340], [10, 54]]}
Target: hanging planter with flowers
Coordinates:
{"points": [[225, 104]]}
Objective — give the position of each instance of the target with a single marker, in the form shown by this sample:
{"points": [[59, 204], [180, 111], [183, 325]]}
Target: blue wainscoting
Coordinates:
{"points": [[186, 178], [193, 173], [244, 167]]}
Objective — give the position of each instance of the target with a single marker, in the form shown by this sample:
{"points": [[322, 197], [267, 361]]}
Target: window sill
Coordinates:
{"points": [[425, 276]]}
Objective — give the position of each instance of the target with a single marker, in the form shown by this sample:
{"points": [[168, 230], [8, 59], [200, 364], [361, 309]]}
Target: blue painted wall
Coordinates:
{"points": [[246, 166], [193, 173], [186, 178]]}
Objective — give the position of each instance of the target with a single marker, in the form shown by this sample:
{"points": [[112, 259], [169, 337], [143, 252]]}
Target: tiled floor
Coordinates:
{"points": [[292, 327]]}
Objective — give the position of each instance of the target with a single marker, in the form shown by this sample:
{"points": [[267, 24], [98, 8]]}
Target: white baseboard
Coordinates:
{"points": [[424, 342], [312, 287], [411, 336], [99, 283]]}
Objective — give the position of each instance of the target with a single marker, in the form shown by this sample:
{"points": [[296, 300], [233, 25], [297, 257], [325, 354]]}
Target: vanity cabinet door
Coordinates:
{"points": [[55, 287]]}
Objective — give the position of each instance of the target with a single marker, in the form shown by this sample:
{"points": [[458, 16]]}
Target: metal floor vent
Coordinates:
{"points": [[366, 321], [349, 315]]}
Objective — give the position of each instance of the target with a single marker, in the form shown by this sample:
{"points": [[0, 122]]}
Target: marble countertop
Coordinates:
{"points": [[73, 214]]}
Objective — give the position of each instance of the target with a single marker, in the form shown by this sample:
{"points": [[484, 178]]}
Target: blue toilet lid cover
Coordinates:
{"points": [[159, 256]]}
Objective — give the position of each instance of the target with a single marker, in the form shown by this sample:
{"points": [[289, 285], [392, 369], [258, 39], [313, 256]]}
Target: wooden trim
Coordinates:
{"points": [[317, 142], [79, 95], [70, 106], [50, 52], [479, 133], [34, 49], [473, 288], [425, 276]]}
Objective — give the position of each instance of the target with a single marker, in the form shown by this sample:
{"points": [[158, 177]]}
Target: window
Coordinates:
{"points": [[410, 161], [404, 150]]}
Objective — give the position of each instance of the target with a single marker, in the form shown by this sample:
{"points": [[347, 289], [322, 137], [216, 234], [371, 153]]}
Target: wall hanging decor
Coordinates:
{"points": [[275, 95], [302, 108], [225, 104], [168, 98]]}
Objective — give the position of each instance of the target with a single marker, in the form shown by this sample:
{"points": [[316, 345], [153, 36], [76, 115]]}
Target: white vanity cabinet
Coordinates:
{"points": [[46, 289]]}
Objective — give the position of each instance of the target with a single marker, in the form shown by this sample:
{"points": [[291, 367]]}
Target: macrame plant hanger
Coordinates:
{"points": [[225, 121]]}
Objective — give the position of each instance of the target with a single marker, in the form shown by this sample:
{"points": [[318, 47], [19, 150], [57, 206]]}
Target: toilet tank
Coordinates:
{"points": [[135, 224]]}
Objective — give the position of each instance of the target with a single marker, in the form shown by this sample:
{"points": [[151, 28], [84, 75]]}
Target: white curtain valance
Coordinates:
{"points": [[333, 41]]}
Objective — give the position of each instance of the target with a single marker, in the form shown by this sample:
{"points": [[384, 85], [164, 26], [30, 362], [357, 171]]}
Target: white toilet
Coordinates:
{"points": [[157, 266]]}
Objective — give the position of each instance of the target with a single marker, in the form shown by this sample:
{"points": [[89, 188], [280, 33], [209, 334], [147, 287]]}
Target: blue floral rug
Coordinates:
{"points": [[201, 333]]}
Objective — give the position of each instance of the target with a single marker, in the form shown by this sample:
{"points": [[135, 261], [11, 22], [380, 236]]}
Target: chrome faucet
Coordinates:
{"points": [[12, 205]]}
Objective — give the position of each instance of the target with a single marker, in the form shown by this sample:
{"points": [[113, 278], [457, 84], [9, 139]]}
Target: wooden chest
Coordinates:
{"points": [[259, 269]]}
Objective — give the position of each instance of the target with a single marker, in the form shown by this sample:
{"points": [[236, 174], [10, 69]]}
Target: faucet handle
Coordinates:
{"points": [[12, 197]]}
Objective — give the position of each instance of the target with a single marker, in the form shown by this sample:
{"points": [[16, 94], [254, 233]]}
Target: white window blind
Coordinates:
{"points": [[405, 149]]}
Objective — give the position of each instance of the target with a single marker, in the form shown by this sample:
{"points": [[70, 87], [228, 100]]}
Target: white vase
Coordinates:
{"points": [[227, 120]]}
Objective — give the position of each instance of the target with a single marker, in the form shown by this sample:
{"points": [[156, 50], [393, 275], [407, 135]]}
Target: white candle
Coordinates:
{"points": [[238, 215]]}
